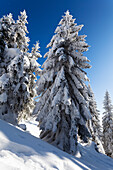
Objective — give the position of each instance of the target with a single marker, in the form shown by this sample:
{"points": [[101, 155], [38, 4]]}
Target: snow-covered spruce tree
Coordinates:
{"points": [[63, 101], [20, 32], [7, 25], [94, 123], [107, 122], [17, 79], [14, 32]]}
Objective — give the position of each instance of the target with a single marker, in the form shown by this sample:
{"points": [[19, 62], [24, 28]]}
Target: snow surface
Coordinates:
{"points": [[19, 150]]}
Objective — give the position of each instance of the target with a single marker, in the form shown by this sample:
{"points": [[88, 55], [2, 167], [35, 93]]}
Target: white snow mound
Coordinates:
{"points": [[19, 150]]}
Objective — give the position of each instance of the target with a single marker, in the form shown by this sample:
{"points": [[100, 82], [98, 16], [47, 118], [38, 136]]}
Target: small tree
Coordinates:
{"points": [[94, 123], [107, 122], [63, 103], [17, 79]]}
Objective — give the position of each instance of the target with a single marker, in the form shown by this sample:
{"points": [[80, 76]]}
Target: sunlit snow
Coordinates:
{"points": [[19, 150]]}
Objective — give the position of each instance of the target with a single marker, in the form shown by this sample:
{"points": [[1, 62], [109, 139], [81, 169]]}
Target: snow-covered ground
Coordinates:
{"points": [[19, 150]]}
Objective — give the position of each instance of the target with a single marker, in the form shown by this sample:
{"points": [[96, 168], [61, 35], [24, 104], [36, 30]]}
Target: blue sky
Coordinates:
{"points": [[97, 17]]}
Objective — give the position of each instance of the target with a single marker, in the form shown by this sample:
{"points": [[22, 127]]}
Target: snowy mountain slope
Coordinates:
{"points": [[20, 150]]}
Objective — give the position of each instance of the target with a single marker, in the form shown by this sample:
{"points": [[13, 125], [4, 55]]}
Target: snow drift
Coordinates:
{"points": [[19, 150]]}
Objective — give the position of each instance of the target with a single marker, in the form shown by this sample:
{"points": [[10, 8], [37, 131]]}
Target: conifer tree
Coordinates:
{"points": [[94, 122], [14, 32], [107, 122], [16, 75], [20, 32], [7, 25], [62, 109]]}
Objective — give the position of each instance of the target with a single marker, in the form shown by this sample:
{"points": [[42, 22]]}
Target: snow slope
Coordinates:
{"points": [[19, 150]]}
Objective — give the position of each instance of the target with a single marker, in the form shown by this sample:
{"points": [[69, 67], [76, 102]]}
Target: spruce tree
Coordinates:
{"points": [[18, 65], [7, 25], [94, 122], [62, 109], [107, 122], [14, 33]]}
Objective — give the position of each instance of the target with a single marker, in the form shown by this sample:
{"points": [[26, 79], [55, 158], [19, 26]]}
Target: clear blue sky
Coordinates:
{"points": [[97, 17]]}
